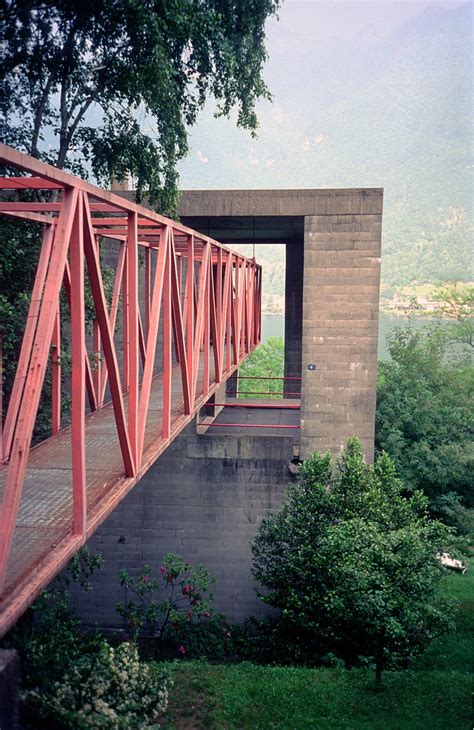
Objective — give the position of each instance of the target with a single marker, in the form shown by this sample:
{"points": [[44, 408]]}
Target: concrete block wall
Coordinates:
{"points": [[203, 499], [340, 324]]}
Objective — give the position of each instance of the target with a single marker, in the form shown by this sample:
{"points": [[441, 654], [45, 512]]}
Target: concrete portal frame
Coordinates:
{"points": [[333, 247]]}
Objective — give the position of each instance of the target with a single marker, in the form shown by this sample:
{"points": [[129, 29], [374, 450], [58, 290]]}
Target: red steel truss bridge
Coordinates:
{"points": [[137, 359]]}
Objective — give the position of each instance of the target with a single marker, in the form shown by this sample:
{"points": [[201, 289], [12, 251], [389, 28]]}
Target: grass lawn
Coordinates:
{"points": [[436, 694]]}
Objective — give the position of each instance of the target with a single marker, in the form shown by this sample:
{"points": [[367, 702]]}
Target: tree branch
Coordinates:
{"points": [[38, 118], [66, 140]]}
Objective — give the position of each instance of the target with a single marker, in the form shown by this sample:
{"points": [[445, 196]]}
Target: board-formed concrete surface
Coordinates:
{"points": [[340, 330], [203, 499]]}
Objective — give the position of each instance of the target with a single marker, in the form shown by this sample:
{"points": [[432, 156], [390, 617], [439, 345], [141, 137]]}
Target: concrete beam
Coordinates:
{"points": [[230, 203]]}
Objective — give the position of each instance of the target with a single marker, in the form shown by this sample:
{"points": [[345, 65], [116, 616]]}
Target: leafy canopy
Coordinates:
{"points": [[76, 78], [456, 304], [424, 419], [352, 563]]}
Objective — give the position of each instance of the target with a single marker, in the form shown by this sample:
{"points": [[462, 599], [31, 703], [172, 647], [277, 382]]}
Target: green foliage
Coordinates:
{"points": [[352, 563], [172, 607], [71, 680], [456, 303], [424, 419], [20, 251], [435, 693], [267, 361], [455, 650], [106, 688], [114, 85]]}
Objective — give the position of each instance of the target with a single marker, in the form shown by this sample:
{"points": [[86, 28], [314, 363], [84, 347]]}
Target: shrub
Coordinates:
{"points": [[74, 680], [47, 636], [174, 608], [352, 563], [105, 688]]}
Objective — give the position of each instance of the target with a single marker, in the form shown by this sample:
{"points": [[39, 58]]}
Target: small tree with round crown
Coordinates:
{"points": [[352, 563]]}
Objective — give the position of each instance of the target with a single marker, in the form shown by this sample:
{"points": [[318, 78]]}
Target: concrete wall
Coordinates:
{"points": [[229, 203], [203, 499], [340, 323]]}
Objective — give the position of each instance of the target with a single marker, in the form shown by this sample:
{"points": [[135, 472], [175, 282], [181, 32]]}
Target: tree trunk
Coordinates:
{"points": [[379, 661]]}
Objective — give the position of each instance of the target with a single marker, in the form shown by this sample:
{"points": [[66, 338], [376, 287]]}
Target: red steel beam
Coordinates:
{"points": [[246, 425], [257, 405], [167, 364], [78, 373], [34, 380], [155, 309], [56, 375], [27, 342], [132, 331], [97, 289]]}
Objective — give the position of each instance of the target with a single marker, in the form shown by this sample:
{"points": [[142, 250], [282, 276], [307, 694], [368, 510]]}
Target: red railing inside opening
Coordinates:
{"points": [[283, 406], [236, 392]]}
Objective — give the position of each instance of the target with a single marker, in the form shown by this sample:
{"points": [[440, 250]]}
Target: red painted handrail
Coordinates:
{"points": [[248, 425], [264, 377]]}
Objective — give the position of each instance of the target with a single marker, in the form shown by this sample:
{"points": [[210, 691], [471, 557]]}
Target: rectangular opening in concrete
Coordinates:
{"points": [[272, 257]]}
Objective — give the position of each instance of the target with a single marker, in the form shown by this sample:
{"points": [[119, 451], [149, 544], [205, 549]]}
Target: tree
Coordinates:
{"points": [[77, 76], [75, 80], [424, 419], [352, 563], [456, 304]]}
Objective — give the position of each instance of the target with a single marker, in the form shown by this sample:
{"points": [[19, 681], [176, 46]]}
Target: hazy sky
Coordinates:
{"points": [[339, 18]]}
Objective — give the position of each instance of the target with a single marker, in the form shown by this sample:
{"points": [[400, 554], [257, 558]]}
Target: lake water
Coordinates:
{"points": [[273, 325]]}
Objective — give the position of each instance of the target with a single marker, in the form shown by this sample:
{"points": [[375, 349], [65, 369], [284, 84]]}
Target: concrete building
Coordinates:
{"points": [[205, 497], [333, 246]]}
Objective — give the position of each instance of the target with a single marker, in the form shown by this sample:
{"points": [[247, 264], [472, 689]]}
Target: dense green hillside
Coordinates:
{"points": [[392, 112]]}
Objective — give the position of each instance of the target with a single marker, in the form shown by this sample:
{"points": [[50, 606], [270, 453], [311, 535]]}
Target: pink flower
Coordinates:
{"points": [[181, 650], [206, 614], [145, 579], [162, 570], [187, 589]]}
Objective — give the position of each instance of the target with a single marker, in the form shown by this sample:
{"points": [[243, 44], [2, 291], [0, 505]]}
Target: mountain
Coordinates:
{"points": [[386, 109]]}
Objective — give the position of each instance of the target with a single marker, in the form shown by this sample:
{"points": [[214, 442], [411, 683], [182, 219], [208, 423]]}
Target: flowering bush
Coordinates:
{"points": [[76, 680], [170, 606], [109, 688]]}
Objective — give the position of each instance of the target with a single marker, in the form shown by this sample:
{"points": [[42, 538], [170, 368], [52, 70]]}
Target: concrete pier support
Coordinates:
{"points": [[340, 324]]}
